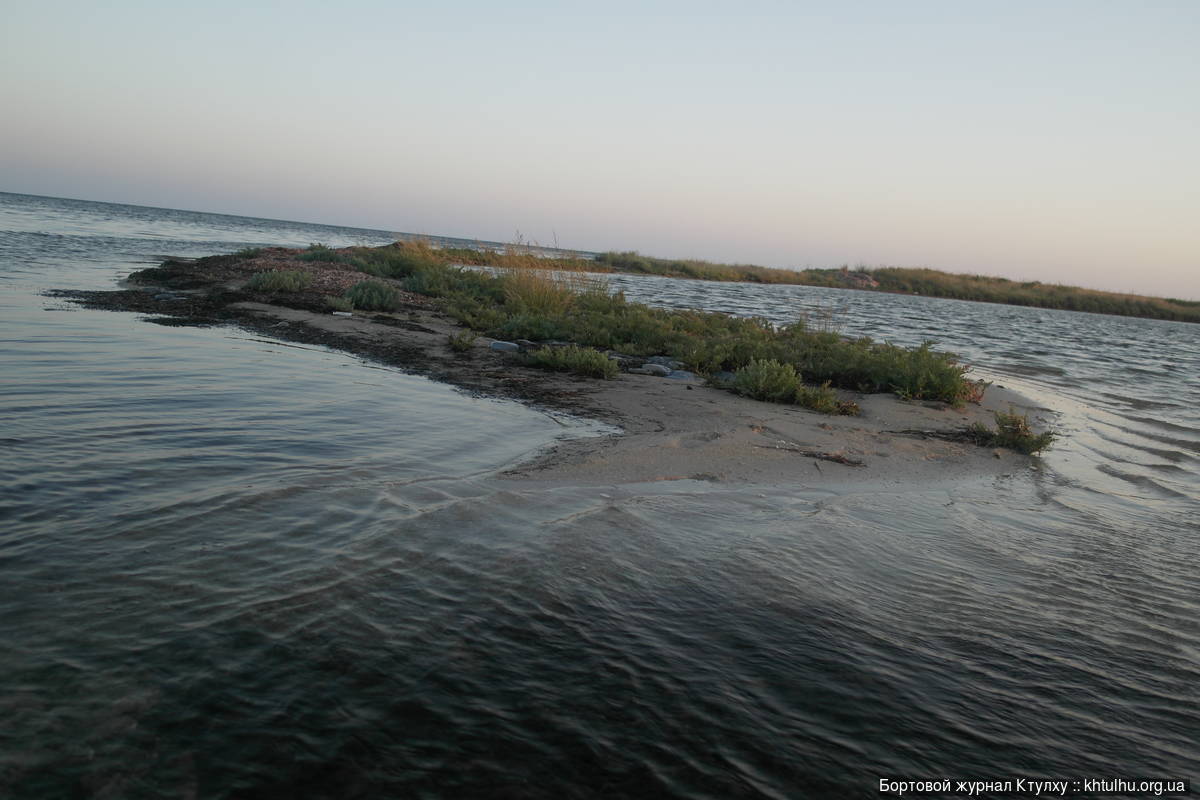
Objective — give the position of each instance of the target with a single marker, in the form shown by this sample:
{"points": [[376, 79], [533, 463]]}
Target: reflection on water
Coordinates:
{"points": [[234, 568]]}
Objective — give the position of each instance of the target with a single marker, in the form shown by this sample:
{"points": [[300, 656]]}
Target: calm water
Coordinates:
{"points": [[233, 567]]}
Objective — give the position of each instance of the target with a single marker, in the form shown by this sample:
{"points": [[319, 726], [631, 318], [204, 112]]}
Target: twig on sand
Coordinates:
{"points": [[836, 458]]}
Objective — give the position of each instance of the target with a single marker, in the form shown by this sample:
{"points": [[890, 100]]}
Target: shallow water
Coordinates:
{"points": [[234, 567]]}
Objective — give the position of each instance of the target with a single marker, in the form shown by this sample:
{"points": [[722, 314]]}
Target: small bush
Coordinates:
{"points": [[461, 342], [1012, 431], [824, 399], [579, 360], [767, 380], [283, 280], [373, 296], [339, 303]]}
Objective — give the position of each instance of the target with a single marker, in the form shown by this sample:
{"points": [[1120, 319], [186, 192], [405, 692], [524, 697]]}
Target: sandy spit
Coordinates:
{"points": [[670, 429]]}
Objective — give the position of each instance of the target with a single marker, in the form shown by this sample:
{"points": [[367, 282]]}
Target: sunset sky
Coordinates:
{"points": [[1057, 141]]}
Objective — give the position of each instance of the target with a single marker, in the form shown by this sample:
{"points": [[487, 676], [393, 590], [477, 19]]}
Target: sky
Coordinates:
{"points": [[1053, 141]]}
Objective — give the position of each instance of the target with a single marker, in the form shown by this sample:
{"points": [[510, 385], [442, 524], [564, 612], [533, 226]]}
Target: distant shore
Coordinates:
{"points": [[893, 280], [674, 428]]}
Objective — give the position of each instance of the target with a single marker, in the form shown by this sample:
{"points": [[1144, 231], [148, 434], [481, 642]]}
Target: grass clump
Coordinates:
{"points": [[283, 280], [767, 380], [825, 400], [578, 360], [1012, 431], [537, 292], [373, 296], [461, 342], [339, 303]]}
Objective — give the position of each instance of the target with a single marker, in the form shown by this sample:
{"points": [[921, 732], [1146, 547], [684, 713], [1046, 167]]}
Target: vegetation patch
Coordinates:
{"points": [[321, 253], [824, 399], [767, 380], [567, 305], [283, 280], [518, 298], [777, 382], [373, 296], [537, 293], [578, 360]]}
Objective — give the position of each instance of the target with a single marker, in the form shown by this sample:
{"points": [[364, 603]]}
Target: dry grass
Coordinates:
{"points": [[538, 285]]}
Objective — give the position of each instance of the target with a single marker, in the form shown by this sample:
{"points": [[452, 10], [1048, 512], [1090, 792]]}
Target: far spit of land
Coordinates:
{"points": [[897, 280]]}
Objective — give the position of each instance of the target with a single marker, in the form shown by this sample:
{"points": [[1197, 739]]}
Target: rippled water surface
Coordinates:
{"points": [[234, 567]]}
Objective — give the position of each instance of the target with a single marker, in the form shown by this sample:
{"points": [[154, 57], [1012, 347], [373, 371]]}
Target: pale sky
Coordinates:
{"points": [[1044, 140]]}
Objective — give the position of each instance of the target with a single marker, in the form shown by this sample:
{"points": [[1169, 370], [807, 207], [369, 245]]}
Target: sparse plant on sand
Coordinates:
{"points": [[825, 400], [461, 342], [1012, 431]]}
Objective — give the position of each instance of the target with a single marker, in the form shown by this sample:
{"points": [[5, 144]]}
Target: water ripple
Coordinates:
{"points": [[237, 569]]}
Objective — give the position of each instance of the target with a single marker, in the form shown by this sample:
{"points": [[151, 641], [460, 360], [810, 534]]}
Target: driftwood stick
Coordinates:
{"points": [[836, 458]]}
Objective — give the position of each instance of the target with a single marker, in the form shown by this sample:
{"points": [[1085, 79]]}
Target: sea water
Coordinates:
{"points": [[236, 567]]}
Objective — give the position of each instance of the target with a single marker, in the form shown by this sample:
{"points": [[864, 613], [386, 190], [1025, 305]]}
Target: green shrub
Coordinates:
{"points": [[339, 303], [373, 296], [283, 280], [579, 360], [767, 380]]}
